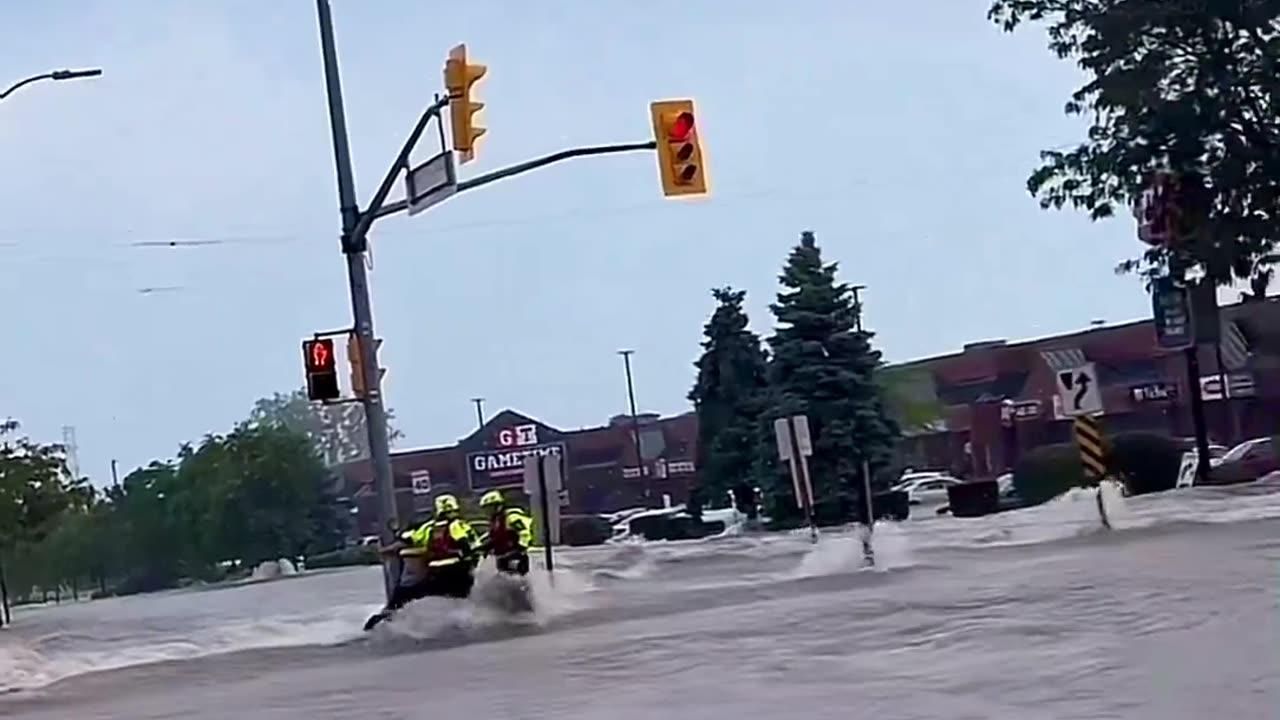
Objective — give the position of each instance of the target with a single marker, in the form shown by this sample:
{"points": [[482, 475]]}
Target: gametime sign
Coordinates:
{"points": [[504, 466]]}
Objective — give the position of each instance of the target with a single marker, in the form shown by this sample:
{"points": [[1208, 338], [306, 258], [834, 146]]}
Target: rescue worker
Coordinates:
{"points": [[510, 534], [448, 549]]}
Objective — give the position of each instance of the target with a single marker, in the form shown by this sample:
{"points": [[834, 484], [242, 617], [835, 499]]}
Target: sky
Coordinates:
{"points": [[901, 133]]}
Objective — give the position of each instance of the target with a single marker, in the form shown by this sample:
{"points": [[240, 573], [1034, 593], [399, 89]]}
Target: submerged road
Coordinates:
{"points": [[1032, 615]]}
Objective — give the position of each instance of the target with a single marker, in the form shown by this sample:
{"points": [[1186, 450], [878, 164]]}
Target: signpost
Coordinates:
{"points": [[1081, 399], [1093, 456], [542, 478], [795, 447], [1174, 321]]}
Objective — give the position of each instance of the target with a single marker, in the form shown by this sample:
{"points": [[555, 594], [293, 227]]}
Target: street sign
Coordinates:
{"points": [[782, 434], [421, 482], [431, 183], [1174, 320], [1088, 438], [542, 481], [1078, 391], [794, 448], [803, 443]]}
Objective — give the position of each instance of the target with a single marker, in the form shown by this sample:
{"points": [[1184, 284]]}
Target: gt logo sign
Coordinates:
{"points": [[518, 436]]}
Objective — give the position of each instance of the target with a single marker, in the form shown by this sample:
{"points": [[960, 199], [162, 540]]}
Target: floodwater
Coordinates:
{"points": [[1034, 614]]}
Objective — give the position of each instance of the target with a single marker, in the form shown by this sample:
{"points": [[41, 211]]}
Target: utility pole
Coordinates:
{"points": [[857, 302], [479, 402], [354, 246], [635, 418]]}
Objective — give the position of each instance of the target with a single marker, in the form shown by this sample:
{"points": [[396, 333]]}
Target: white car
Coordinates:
{"points": [[926, 488]]}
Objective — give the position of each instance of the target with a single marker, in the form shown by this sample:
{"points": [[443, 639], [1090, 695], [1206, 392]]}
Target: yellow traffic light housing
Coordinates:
{"points": [[460, 79], [679, 149], [356, 360]]}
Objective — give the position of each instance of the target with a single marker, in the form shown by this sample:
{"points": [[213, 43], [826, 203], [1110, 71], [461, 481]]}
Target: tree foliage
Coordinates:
{"points": [[259, 492], [338, 432], [729, 396], [1183, 85], [822, 365]]}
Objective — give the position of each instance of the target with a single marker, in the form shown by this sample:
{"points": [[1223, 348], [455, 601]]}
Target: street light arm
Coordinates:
{"points": [[383, 210], [22, 83], [523, 167], [373, 210], [55, 75]]}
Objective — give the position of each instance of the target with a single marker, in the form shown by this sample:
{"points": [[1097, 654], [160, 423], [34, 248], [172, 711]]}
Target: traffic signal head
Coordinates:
{"points": [[460, 79], [321, 369], [679, 150]]}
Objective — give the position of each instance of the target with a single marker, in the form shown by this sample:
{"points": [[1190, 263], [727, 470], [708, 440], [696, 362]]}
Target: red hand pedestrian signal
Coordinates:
{"points": [[321, 369], [320, 355]]}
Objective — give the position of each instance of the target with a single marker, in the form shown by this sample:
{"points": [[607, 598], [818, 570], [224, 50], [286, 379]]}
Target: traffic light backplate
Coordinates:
{"points": [[680, 162]]}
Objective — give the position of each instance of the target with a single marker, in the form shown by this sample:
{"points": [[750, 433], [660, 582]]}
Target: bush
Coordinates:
{"points": [[1145, 462]]}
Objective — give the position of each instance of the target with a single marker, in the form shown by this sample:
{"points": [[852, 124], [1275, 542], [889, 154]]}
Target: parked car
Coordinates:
{"points": [[926, 488], [1247, 462]]}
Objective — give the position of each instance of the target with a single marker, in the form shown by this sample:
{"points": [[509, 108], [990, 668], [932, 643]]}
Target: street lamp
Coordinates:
{"points": [[635, 418], [55, 75]]}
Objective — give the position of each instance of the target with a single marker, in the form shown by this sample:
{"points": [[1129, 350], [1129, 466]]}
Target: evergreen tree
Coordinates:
{"points": [[825, 367], [728, 395]]}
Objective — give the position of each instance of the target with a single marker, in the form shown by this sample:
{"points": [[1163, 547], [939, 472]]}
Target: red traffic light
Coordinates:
{"points": [[319, 355], [681, 127]]}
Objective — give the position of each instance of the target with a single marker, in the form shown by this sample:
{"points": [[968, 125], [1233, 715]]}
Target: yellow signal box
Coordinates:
{"points": [[460, 78], [356, 360], [679, 149]]}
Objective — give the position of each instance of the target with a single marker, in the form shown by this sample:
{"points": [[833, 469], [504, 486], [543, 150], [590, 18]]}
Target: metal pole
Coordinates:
{"points": [[4, 597], [479, 401], [867, 551], [1197, 414], [115, 474], [801, 467], [545, 506], [635, 418], [55, 75], [362, 313]]}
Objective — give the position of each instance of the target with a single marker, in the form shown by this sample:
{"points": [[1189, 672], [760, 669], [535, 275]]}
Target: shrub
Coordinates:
{"points": [[346, 557], [1145, 462]]}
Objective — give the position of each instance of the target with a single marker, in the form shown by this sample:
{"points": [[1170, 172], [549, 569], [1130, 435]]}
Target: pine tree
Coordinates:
{"points": [[728, 395], [825, 367]]}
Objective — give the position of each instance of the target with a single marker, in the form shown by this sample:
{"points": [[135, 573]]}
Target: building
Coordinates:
{"points": [[600, 469], [997, 399]]}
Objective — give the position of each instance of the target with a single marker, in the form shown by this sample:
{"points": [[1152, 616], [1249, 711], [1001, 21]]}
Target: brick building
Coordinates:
{"points": [[600, 470], [1143, 388]]}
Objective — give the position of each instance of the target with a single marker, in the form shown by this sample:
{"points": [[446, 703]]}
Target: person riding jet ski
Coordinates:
{"points": [[447, 549], [510, 534]]}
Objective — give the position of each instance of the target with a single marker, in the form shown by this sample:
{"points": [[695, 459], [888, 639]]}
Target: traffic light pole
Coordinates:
{"points": [[355, 229], [353, 246]]}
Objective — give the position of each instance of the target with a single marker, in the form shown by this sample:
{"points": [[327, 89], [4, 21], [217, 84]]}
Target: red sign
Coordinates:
{"points": [[319, 355]]}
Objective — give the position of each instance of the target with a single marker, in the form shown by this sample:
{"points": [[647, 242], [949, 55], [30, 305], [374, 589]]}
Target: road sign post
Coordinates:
{"points": [[795, 447], [542, 478], [1088, 436], [1175, 325]]}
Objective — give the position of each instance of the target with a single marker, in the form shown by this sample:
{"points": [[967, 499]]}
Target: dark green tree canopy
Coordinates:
{"points": [[729, 394], [1184, 85], [825, 367]]}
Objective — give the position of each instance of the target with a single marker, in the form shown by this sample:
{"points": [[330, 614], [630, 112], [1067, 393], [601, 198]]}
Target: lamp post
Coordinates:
{"points": [[635, 418], [54, 75]]}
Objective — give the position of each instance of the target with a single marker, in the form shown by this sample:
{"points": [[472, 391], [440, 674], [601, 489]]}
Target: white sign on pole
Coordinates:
{"points": [[432, 182], [1079, 391], [548, 467], [783, 435], [421, 482], [803, 443]]}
